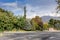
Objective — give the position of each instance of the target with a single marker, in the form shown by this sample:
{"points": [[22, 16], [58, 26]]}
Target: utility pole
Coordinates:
{"points": [[24, 12]]}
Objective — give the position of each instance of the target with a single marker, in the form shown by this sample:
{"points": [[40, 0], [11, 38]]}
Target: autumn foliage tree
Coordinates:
{"points": [[37, 23]]}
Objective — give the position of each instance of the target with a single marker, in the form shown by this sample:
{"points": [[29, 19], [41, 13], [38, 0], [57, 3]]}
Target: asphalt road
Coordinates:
{"points": [[31, 36]]}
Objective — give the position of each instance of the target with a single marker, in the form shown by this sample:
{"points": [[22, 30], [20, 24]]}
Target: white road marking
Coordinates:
{"points": [[52, 37]]}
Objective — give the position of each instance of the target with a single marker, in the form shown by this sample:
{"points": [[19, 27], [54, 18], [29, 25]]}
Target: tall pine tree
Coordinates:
{"points": [[58, 7]]}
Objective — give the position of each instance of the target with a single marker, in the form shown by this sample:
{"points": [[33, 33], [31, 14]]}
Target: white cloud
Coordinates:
{"points": [[17, 9], [36, 11], [13, 4]]}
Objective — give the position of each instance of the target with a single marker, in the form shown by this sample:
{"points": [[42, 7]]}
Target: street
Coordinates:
{"points": [[31, 36]]}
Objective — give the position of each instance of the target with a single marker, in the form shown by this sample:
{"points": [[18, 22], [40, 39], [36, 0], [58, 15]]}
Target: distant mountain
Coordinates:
{"points": [[47, 18]]}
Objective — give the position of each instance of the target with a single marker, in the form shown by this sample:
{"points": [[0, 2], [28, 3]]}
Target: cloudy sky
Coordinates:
{"points": [[34, 7]]}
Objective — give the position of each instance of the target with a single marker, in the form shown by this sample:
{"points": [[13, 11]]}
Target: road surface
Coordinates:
{"points": [[31, 36]]}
